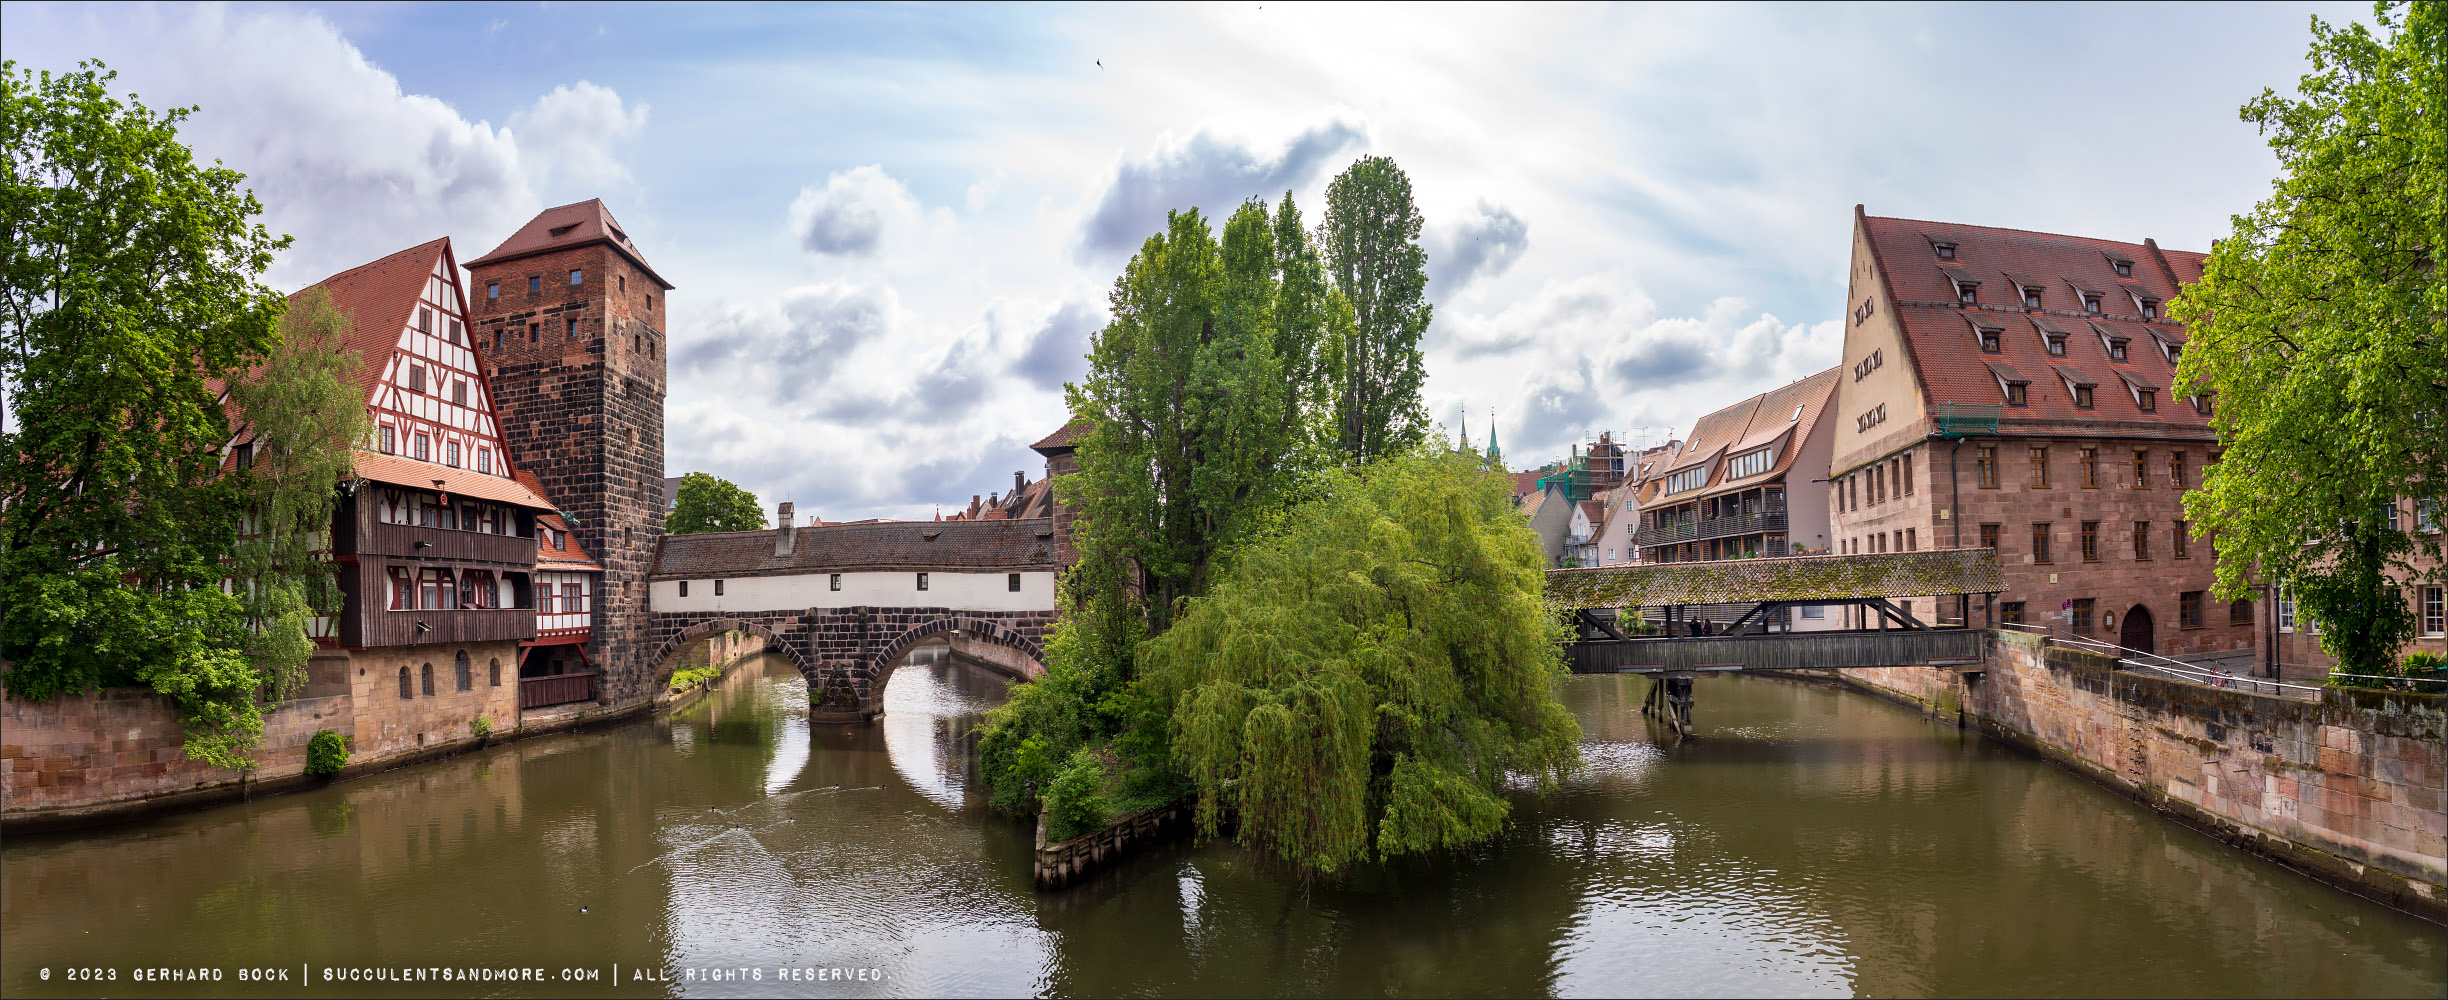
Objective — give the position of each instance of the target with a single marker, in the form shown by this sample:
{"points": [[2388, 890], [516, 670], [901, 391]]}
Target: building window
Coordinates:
{"points": [[423, 449], [425, 680], [2150, 308], [2082, 616], [2239, 612], [718, 588], [2031, 298], [2116, 350], [407, 687], [2091, 303], [2286, 612], [922, 581], [577, 277], [535, 333], [1908, 477], [2090, 541], [435, 591], [2082, 397], [2039, 467], [2147, 399], [2124, 268], [2435, 610], [2184, 540], [454, 331], [1853, 492], [459, 392], [2056, 347], [1749, 464], [1946, 251], [484, 459], [403, 590], [450, 452], [623, 282], [535, 283], [2202, 404], [1986, 462], [2010, 612], [493, 670], [2426, 516], [2141, 469], [497, 340], [2040, 542], [1989, 536], [2189, 609], [416, 379], [464, 675], [424, 320], [1912, 540], [388, 444], [2090, 468], [2142, 539], [2176, 470], [1989, 342], [1968, 294], [1011, 581], [836, 581], [2014, 394], [569, 329], [492, 289], [684, 588]]}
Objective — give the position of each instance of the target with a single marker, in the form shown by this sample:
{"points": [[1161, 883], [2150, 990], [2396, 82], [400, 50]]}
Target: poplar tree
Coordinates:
{"points": [[2319, 329], [1371, 242]]}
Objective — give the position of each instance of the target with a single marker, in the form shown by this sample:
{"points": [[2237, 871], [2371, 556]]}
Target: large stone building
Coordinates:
{"points": [[571, 318], [2015, 390]]}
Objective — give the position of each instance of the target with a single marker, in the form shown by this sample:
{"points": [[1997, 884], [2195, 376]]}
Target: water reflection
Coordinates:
{"points": [[1811, 842]]}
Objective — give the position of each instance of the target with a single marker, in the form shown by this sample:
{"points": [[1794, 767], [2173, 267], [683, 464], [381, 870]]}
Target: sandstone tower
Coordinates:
{"points": [[571, 319]]}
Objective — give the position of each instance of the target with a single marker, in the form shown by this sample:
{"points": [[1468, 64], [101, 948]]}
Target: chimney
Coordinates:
{"points": [[784, 534], [1019, 481]]}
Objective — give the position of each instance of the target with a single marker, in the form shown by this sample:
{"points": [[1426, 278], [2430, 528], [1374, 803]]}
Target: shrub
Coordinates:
{"points": [[1075, 801], [327, 753], [481, 726], [2425, 663]]}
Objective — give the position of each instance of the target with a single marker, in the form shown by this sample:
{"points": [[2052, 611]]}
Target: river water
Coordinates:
{"points": [[1811, 841]]}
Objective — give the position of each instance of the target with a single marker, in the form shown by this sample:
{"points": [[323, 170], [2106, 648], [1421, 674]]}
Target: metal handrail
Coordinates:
{"points": [[2386, 677], [2179, 669]]}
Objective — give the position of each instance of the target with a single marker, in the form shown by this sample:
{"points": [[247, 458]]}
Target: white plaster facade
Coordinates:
{"points": [[985, 591]]}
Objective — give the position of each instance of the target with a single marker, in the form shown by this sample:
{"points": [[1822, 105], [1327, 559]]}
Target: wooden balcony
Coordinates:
{"points": [[556, 689], [1762, 522], [407, 628], [445, 545]]}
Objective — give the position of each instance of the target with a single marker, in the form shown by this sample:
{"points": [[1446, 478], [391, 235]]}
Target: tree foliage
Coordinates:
{"points": [[1372, 249], [128, 287], [707, 503], [1364, 682], [2320, 327]]}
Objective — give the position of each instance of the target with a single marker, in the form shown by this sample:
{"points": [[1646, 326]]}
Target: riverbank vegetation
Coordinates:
{"points": [[2319, 331], [1287, 602], [153, 532]]}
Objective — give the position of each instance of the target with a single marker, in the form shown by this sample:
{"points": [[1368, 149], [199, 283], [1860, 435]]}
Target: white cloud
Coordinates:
{"points": [[1211, 172], [569, 136], [851, 215]]}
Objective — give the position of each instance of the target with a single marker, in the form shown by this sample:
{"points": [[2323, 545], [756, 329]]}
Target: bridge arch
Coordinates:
{"points": [[994, 645], [667, 656]]}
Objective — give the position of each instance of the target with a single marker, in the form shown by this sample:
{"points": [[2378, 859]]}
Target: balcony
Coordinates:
{"points": [[555, 624], [409, 628], [1723, 526], [445, 545]]}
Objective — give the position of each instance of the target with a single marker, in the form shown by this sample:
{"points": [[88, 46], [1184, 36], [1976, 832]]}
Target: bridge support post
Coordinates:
{"points": [[1670, 703]]}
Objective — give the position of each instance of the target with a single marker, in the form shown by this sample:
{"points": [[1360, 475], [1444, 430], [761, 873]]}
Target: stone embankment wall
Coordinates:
{"points": [[119, 752], [2348, 788], [1060, 864]]}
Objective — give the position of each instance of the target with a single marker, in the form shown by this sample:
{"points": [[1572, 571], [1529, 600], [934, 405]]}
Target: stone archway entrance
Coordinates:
{"points": [[2139, 632]]}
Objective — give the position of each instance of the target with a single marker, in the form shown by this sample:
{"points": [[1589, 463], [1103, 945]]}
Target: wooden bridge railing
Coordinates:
{"points": [[556, 689]]}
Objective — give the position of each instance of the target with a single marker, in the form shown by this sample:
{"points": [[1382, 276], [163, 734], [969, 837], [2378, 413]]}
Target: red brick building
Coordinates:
{"points": [[2015, 390]]}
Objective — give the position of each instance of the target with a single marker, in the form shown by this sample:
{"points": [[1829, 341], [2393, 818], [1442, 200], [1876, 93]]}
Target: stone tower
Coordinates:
{"points": [[569, 319]]}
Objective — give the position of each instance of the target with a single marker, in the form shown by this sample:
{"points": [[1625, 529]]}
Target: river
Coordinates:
{"points": [[1812, 841]]}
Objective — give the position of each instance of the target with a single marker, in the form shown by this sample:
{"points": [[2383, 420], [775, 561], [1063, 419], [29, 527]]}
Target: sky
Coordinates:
{"points": [[893, 229]]}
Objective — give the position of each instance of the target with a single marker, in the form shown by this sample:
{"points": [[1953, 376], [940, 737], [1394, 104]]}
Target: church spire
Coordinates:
{"points": [[1495, 452], [1466, 429]]}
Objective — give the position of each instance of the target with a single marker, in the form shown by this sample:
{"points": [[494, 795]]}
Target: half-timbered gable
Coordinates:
{"points": [[430, 400]]}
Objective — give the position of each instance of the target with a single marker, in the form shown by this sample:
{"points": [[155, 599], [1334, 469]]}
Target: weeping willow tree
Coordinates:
{"points": [[1366, 681]]}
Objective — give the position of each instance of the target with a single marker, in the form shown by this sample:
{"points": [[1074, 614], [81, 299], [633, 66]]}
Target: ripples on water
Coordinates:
{"points": [[1812, 842]]}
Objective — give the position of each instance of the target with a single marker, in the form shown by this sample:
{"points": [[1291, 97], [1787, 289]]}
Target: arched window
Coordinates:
{"points": [[428, 680], [495, 668], [466, 682], [405, 690]]}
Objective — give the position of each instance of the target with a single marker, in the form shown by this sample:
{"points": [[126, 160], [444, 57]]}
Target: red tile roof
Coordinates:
{"points": [[402, 471], [1002, 544], [1946, 354], [573, 225], [1064, 439], [1786, 413], [378, 297], [568, 555]]}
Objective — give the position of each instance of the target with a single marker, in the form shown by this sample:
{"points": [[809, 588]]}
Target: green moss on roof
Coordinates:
{"points": [[1796, 578]]}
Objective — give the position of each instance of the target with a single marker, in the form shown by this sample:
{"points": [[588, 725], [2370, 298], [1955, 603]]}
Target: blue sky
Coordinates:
{"points": [[893, 228]]}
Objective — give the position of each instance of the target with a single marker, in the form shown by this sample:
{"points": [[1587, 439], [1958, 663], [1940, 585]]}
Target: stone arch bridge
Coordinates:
{"points": [[844, 601]]}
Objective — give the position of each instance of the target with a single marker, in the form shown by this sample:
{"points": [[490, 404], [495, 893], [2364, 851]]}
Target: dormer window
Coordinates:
{"points": [[1990, 342], [2091, 303], [2150, 308], [2014, 394], [1946, 251], [2201, 405], [560, 231], [2116, 350], [2057, 346], [2147, 399], [2124, 268], [1968, 294], [2082, 397], [2031, 298], [2174, 352]]}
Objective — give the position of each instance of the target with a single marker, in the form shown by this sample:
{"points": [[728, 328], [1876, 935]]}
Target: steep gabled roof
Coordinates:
{"points": [[561, 228], [568, 555], [1064, 439], [1950, 364], [378, 297], [1785, 413]]}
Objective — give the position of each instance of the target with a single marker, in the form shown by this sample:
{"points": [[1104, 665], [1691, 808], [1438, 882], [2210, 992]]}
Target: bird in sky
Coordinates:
{"points": [[1100, 64]]}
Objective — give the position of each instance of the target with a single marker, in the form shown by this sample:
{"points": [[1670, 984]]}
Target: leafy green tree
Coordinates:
{"points": [[2320, 327], [1365, 681], [1372, 250], [128, 287], [707, 503]]}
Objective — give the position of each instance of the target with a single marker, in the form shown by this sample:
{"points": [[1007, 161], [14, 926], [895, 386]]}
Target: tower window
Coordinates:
{"points": [[571, 331], [492, 289], [623, 282], [535, 283], [577, 277], [535, 333], [497, 340]]}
